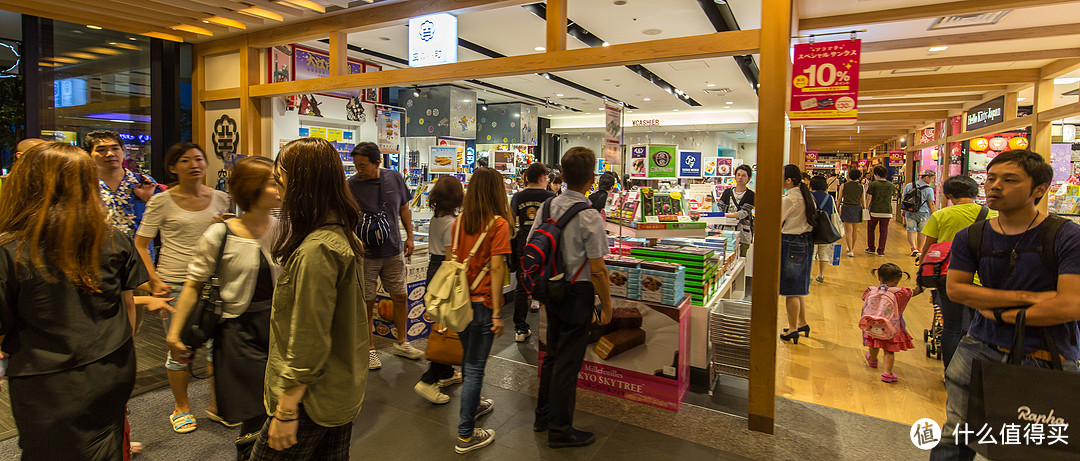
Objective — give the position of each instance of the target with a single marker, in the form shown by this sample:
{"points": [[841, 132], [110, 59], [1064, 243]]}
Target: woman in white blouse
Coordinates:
{"points": [[796, 245]]}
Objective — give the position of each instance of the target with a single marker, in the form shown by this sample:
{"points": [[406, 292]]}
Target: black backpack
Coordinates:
{"points": [[913, 198], [542, 273], [1048, 231]]}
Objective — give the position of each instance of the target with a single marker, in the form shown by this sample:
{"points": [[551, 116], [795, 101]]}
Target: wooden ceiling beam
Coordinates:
{"points": [[865, 109], [195, 10], [918, 92], [1058, 68], [973, 37], [264, 4], [131, 13], [907, 115], [920, 12], [971, 60], [868, 132], [732, 43], [959, 80], [962, 98], [131, 27]]}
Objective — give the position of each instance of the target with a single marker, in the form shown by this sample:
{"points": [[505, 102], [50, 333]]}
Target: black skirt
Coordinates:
{"points": [[75, 414], [241, 347]]}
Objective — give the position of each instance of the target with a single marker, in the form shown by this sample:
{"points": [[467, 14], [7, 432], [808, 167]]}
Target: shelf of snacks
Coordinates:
{"points": [[1064, 199]]}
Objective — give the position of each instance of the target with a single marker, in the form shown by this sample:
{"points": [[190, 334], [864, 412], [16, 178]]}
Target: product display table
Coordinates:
{"points": [[632, 232]]}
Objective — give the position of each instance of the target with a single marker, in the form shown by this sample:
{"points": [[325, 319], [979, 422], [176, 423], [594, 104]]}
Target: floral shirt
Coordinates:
{"points": [[125, 209]]}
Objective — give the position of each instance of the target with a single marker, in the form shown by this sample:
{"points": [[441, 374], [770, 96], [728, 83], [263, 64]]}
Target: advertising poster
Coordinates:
{"points": [[825, 83], [662, 161], [613, 133], [280, 64], [637, 162], [896, 158], [700, 198], [504, 161], [811, 156], [309, 63], [318, 132], [690, 164], [863, 163], [724, 166], [418, 323], [709, 170], [389, 134], [1061, 160], [443, 160]]}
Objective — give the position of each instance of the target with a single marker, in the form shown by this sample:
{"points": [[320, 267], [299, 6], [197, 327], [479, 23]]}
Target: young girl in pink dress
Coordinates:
{"points": [[889, 275]]}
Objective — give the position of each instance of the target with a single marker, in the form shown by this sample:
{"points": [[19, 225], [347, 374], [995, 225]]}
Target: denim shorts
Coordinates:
{"points": [[916, 220], [166, 321], [796, 252]]}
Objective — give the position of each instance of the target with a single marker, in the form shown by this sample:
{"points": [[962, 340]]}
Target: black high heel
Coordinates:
{"points": [[793, 337], [805, 328]]}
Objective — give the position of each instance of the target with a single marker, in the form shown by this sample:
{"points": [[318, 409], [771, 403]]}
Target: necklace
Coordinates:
{"points": [[1012, 254]]}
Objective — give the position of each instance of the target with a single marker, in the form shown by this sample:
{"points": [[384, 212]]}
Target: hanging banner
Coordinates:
{"points": [[662, 161], [637, 162], [811, 156], [613, 133], [389, 134], [443, 159], [896, 158], [863, 163], [690, 164], [825, 83]]}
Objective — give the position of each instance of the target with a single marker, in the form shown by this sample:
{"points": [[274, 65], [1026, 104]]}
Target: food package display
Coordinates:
{"points": [[418, 324], [619, 341], [621, 318], [663, 283], [623, 274], [698, 264]]}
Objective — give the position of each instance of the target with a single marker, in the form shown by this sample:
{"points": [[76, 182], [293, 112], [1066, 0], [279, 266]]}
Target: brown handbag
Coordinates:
{"points": [[444, 346]]}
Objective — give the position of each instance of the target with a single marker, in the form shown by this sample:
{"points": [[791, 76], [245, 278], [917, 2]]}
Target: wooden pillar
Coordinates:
{"points": [[772, 105], [796, 149], [250, 108], [1040, 129], [198, 109], [556, 25], [1010, 105], [339, 54]]}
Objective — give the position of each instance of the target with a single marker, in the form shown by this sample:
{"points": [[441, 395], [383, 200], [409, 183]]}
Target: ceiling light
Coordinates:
{"points": [[192, 29], [128, 46], [1020, 99], [1066, 80], [901, 139], [540, 48], [727, 107], [710, 85], [103, 50], [416, 92], [652, 31], [385, 39], [559, 95], [132, 39], [647, 99], [606, 44], [600, 108], [588, 113], [674, 110], [81, 55], [112, 43], [935, 49], [262, 13], [305, 4], [729, 102], [91, 26], [226, 22], [63, 59]]}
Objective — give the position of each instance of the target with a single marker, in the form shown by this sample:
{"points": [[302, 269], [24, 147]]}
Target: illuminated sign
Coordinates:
{"points": [[433, 40]]}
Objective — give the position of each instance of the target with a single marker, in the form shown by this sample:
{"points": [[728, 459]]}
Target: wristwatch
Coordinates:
{"points": [[282, 415]]}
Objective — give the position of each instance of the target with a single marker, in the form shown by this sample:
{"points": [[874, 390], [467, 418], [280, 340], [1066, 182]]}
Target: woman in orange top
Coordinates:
{"points": [[485, 216]]}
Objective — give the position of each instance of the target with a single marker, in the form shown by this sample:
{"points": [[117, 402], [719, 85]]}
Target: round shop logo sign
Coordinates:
{"points": [[427, 31], [925, 434], [662, 158]]}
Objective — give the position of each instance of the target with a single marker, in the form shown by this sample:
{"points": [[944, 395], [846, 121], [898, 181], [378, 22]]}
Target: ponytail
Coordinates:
{"points": [[808, 204]]}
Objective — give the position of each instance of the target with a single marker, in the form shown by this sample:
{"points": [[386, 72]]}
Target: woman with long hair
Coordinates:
{"points": [[180, 215], [485, 217], [247, 273], [445, 199], [66, 308], [797, 211], [317, 368]]}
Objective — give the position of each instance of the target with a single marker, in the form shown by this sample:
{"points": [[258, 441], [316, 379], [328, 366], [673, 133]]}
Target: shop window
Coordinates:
{"points": [[12, 101]]}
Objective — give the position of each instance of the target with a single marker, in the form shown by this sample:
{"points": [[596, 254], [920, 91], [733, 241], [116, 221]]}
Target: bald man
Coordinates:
{"points": [[25, 145]]}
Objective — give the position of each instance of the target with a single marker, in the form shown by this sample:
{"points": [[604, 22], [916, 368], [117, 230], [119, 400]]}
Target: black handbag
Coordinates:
{"points": [[824, 232], [1008, 395], [204, 319]]}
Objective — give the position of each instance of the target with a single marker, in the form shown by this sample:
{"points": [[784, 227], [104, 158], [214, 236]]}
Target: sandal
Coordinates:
{"points": [[183, 422], [217, 419], [136, 447], [870, 363], [889, 377]]}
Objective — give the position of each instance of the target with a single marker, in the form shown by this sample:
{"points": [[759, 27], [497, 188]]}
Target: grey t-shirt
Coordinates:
{"points": [[583, 237], [395, 194]]}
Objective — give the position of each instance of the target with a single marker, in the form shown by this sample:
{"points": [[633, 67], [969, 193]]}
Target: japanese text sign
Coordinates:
{"points": [[433, 39], [825, 81]]}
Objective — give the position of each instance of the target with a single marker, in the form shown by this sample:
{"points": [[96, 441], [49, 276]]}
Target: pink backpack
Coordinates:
{"points": [[881, 313]]}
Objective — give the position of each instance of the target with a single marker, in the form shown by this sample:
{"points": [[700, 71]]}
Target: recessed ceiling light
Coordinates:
{"points": [[647, 99], [206, 21], [935, 49], [540, 48], [559, 95], [727, 107], [729, 102], [652, 31], [588, 113], [605, 44], [385, 39], [710, 85], [112, 43], [674, 110], [619, 2], [1066, 80], [133, 39], [91, 26], [600, 108]]}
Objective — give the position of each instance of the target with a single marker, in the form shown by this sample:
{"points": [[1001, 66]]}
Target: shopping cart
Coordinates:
{"points": [[932, 336], [729, 340]]}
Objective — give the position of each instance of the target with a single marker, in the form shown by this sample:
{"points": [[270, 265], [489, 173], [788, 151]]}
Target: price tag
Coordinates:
{"points": [[652, 219], [685, 219]]}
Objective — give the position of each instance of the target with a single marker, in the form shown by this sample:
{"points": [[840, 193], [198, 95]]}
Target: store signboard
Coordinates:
{"points": [[825, 83], [690, 164], [896, 158], [433, 40], [987, 113], [443, 159], [663, 161], [637, 161]]}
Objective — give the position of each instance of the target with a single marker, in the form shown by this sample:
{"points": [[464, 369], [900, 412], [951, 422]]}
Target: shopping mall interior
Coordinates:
{"points": [[442, 86]]}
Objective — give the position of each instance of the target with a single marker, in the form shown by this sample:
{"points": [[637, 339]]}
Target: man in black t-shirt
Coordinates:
{"points": [[526, 205]]}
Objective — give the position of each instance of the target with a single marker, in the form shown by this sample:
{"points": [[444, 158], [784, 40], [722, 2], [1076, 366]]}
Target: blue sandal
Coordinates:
{"points": [[183, 422]]}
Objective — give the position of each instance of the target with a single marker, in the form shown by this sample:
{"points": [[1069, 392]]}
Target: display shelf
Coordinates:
{"points": [[631, 232], [326, 121]]}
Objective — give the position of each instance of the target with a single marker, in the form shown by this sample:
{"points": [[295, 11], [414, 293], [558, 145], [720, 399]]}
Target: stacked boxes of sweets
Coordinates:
{"points": [[696, 265], [624, 275], [662, 282], [623, 247]]}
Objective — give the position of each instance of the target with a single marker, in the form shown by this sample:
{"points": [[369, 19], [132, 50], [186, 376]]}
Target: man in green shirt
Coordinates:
{"points": [[879, 199]]}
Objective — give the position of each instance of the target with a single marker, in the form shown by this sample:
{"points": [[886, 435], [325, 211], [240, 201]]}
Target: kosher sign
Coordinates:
{"points": [[987, 113], [825, 83]]}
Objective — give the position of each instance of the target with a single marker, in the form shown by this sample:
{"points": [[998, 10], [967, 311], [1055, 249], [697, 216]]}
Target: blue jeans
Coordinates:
{"points": [[796, 251], [476, 340], [958, 384], [955, 319]]}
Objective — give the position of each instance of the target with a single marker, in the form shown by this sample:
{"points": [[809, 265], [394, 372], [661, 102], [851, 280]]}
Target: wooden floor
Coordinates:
{"points": [[828, 367]]}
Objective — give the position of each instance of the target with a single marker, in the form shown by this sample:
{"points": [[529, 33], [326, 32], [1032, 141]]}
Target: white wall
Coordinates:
{"points": [[706, 142], [286, 124]]}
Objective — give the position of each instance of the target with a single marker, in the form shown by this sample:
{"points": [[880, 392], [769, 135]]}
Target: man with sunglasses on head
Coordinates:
{"points": [[124, 192]]}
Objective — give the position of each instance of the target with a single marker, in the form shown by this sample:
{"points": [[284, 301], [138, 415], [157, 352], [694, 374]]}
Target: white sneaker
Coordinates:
{"points": [[373, 360], [850, 254], [521, 335], [456, 379], [408, 351], [431, 392]]}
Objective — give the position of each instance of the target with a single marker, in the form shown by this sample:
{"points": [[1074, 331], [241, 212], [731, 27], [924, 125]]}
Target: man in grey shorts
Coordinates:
{"points": [[378, 190]]}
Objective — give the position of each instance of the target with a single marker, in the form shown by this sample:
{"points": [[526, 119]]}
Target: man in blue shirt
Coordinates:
{"points": [[124, 192], [1014, 276], [916, 220]]}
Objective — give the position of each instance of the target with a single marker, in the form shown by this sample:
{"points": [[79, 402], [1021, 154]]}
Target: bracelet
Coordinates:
{"points": [[286, 420]]}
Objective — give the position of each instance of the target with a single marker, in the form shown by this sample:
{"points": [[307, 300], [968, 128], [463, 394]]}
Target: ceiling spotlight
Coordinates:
{"points": [[559, 94], [416, 92], [540, 48], [606, 44], [935, 49], [588, 113], [710, 85], [727, 107], [647, 99], [729, 103], [674, 110]]}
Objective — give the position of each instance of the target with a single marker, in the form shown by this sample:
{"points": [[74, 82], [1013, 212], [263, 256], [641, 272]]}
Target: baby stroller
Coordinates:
{"points": [[932, 336]]}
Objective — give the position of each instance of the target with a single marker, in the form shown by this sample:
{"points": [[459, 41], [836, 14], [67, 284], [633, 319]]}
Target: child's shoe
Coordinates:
{"points": [[870, 363], [889, 377]]}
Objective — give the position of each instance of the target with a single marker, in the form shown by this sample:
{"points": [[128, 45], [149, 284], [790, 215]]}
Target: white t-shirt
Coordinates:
{"points": [[793, 213], [180, 231], [441, 233]]}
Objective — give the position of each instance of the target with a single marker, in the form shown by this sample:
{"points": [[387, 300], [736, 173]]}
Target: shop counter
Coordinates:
{"points": [[640, 357]]}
